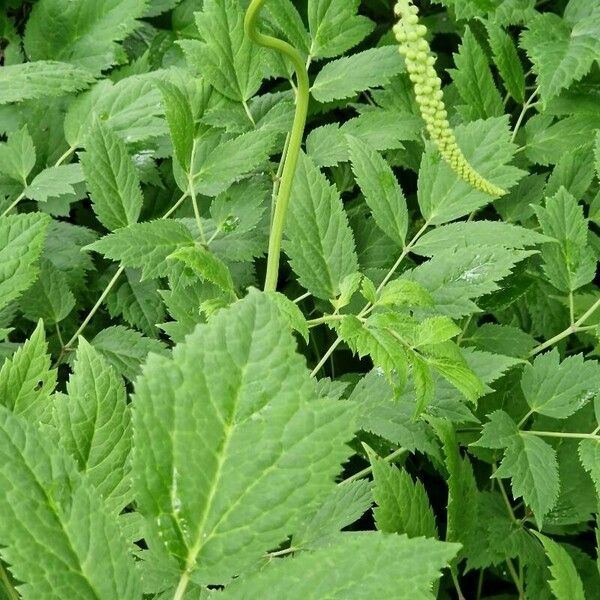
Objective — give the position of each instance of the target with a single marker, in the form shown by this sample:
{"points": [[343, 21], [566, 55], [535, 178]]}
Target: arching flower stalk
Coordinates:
{"points": [[428, 90]]}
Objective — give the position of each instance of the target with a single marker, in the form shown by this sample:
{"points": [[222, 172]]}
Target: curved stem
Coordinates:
{"points": [[295, 142]]}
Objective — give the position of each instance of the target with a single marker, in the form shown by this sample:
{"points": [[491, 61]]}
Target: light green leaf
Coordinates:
{"points": [[157, 7], [26, 379], [226, 57], [56, 534], [21, 242], [353, 567], [561, 52], [503, 339], [145, 245], [464, 234], [215, 404], [82, 33], [507, 60], [53, 182], [380, 188], [208, 266], [499, 432], [112, 179], [402, 292], [344, 77], [126, 349], [531, 464], [474, 80], [335, 27], [319, 243], [285, 16], [569, 264], [40, 79], [589, 455], [17, 155], [442, 195], [402, 504], [290, 311], [566, 583], [49, 298], [93, 425], [574, 171], [558, 389], [181, 122]]}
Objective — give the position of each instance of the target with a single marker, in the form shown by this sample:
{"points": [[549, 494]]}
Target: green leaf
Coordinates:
{"points": [[290, 311], [181, 123], [499, 432], [402, 504], [21, 242], [355, 565], [569, 264], [112, 179], [566, 583], [335, 27], [145, 246], [26, 379], [93, 425], [208, 266], [56, 534], [40, 79], [229, 400], [574, 171], [558, 389], [319, 242], [503, 339], [531, 464], [344, 505], [561, 52], [507, 60], [126, 349], [454, 279], [54, 182], [402, 292], [82, 33], [344, 77], [17, 155], [226, 57], [380, 188], [50, 297], [285, 16], [442, 195], [474, 80], [589, 455]]}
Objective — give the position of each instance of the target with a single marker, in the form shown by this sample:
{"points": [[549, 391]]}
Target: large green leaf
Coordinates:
{"points": [[353, 567], [56, 534], [319, 240], [223, 436]]}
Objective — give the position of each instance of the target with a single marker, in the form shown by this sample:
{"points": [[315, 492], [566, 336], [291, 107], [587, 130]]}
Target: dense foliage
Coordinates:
{"points": [[298, 300]]}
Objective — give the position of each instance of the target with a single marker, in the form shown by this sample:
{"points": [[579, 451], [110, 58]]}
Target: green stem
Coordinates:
{"points": [[296, 135], [563, 434], [324, 319]]}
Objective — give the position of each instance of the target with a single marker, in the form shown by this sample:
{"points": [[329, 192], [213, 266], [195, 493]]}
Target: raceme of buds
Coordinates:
{"points": [[428, 90]]}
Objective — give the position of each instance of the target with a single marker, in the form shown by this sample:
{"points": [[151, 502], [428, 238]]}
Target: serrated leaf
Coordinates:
{"points": [[50, 297], [476, 233], [474, 80], [442, 195], [56, 533], [214, 428], [507, 60], [531, 464], [574, 171], [181, 122], [21, 243], [145, 246], [82, 33], [40, 79], [558, 389], [344, 77], [208, 266], [319, 242], [111, 178], [126, 349], [53, 182], [290, 311], [285, 16], [17, 155], [26, 379], [335, 27], [226, 57], [93, 425], [561, 52], [499, 432], [402, 504], [401, 292], [589, 455], [380, 188], [566, 583], [503, 339]]}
